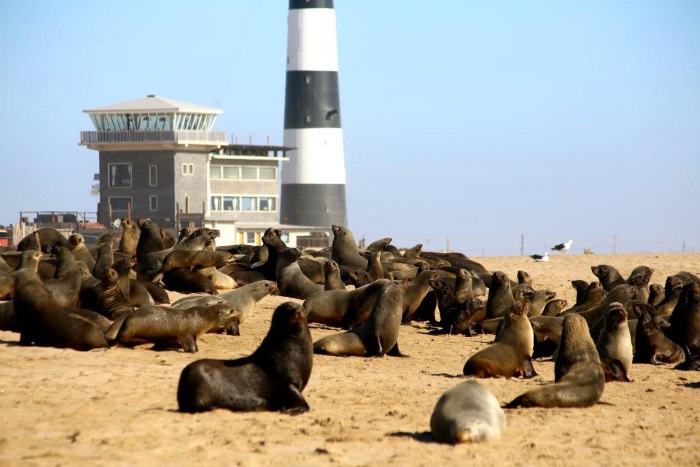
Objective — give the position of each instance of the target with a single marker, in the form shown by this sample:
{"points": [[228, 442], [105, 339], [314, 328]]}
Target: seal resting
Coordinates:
{"points": [[166, 326], [614, 344], [375, 337], [468, 412], [511, 353], [578, 375], [271, 378]]}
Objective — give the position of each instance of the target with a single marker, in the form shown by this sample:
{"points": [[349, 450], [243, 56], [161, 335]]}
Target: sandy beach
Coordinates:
{"points": [[118, 406]]}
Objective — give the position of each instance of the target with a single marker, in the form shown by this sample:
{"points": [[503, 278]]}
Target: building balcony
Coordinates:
{"points": [[156, 139]]}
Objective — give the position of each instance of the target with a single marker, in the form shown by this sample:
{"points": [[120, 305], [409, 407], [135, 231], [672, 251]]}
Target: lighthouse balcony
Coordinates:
{"points": [[139, 139]]}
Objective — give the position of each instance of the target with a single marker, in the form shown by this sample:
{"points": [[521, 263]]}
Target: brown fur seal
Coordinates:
{"points": [[166, 326], [614, 344], [417, 289], [43, 323], [608, 276], [622, 293], [656, 294], [65, 286], [195, 259], [685, 319], [500, 298], [469, 412], [343, 308], [105, 260], [554, 307], [111, 299], [640, 281], [538, 300], [272, 378], [651, 344], [48, 238], [375, 337], [578, 375], [186, 281], [129, 240], [150, 239], [672, 291], [510, 354], [332, 279], [80, 250], [581, 287], [344, 249], [291, 281], [459, 318]]}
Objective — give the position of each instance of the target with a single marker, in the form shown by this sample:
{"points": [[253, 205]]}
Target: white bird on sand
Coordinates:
{"points": [[540, 258], [563, 246]]}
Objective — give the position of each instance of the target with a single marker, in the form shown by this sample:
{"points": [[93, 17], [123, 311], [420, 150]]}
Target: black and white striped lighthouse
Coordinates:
{"points": [[313, 180]]}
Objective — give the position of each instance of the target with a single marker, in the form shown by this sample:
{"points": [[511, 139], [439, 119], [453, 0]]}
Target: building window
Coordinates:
{"points": [[250, 237], [248, 203], [268, 173], [119, 175], [232, 172], [243, 203], [122, 203], [152, 175], [249, 173], [187, 169], [153, 203], [215, 171]]}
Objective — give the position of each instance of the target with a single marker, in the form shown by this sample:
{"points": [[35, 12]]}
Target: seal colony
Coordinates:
{"points": [[403, 329]]}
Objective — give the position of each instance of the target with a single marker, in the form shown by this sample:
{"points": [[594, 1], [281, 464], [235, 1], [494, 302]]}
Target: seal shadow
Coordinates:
{"points": [[695, 385], [421, 436], [447, 375]]}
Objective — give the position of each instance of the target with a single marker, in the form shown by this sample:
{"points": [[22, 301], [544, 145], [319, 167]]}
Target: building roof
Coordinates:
{"points": [[154, 104]]}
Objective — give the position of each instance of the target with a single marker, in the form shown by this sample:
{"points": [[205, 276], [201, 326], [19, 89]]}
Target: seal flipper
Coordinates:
{"points": [[395, 352], [526, 368], [614, 371], [292, 402]]}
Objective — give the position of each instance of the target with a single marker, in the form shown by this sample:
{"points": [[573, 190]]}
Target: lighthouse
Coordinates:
{"points": [[313, 180]]}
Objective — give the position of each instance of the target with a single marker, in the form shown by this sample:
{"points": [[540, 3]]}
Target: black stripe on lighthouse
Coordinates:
{"points": [[312, 100]]}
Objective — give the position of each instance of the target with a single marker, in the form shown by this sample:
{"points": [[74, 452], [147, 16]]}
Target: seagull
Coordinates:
{"points": [[540, 258], [563, 246]]}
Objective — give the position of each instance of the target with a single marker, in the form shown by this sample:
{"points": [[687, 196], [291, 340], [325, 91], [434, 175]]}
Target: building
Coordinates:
{"points": [[161, 159]]}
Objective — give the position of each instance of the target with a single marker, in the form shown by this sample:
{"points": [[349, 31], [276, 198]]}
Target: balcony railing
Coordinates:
{"points": [[141, 137]]}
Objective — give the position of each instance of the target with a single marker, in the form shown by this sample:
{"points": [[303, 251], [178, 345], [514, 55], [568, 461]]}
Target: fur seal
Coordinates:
{"points": [[112, 301], [65, 286], [332, 279], [608, 276], [130, 237], [343, 308], [581, 288], [186, 281], [614, 344], [417, 289], [195, 259], [105, 259], [375, 337], [469, 412], [291, 281], [656, 294], [43, 323], [554, 307], [685, 319], [150, 239], [500, 298], [672, 291], [510, 354], [578, 375], [344, 249], [272, 378], [651, 344], [459, 318], [167, 326], [80, 250], [48, 238]]}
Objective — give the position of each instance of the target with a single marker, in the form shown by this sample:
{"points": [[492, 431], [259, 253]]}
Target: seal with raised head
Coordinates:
{"points": [[378, 336], [167, 326], [578, 375], [500, 298], [65, 286], [343, 308], [685, 319], [291, 281], [130, 237], [468, 412], [608, 276], [80, 250], [331, 276], [344, 249], [271, 378], [511, 352], [554, 307], [150, 239], [614, 344]]}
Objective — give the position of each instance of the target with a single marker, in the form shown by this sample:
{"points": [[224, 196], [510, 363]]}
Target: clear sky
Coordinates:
{"points": [[465, 122]]}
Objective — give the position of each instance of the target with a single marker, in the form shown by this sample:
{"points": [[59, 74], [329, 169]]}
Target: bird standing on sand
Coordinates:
{"points": [[540, 258], [562, 247]]}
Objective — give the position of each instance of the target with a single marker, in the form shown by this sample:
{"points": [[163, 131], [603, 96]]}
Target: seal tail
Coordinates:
{"points": [[113, 331]]}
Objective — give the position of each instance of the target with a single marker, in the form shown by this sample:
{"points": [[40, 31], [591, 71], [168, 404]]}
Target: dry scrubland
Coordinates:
{"points": [[118, 407]]}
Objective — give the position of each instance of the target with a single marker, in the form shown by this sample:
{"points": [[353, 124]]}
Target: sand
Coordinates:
{"points": [[118, 406]]}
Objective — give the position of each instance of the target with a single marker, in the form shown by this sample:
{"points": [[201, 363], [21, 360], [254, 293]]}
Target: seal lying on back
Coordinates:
{"points": [[272, 378], [578, 375], [511, 353], [375, 337], [467, 412]]}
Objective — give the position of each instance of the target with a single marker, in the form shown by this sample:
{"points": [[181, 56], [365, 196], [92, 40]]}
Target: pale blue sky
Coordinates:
{"points": [[473, 121]]}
